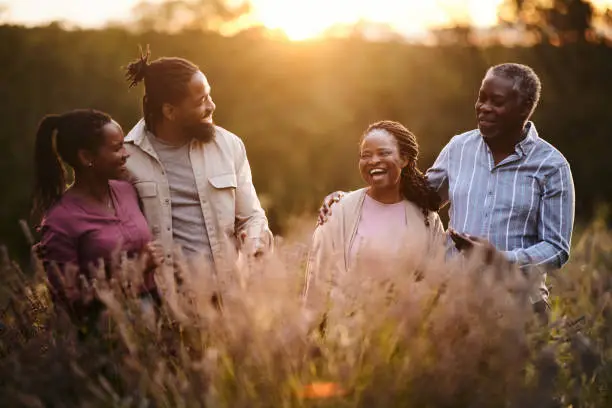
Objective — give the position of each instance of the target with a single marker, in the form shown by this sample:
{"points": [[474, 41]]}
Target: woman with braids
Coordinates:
{"points": [[95, 219], [397, 201]]}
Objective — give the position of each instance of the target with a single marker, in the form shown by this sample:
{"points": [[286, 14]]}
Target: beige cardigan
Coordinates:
{"points": [[332, 241]]}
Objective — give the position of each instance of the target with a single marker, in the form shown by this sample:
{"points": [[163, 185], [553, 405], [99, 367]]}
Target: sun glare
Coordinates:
{"points": [[301, 20], [298, 19]]}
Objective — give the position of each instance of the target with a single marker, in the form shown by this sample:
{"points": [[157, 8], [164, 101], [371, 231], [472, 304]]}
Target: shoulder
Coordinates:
{"points": [[471, 136], [61, 218], [349, 204], [352, 199], [549, 154], [465, 138], [123, 188], [227, 138], [136, 133]]}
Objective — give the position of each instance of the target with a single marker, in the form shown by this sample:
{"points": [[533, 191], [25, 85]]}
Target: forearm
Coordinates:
{"points": [[543, 254]]}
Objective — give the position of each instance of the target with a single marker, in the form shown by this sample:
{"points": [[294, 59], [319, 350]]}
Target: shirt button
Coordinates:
{"points": [[163, 173], [168, 228], [167, 201]]}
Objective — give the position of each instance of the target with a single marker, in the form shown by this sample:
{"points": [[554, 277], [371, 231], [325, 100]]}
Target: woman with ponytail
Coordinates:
{"points": [[396, 204], [94, 220]]}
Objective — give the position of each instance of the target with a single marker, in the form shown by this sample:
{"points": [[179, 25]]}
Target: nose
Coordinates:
{"points": [[483, 107], [124, 154], [212, 106]]}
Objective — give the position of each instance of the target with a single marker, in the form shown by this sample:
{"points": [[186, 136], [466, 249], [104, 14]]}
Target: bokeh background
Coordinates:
{"points": [[299, 81]]}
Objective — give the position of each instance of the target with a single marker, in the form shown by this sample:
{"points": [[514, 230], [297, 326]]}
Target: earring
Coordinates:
{"points": [[90, 164]]}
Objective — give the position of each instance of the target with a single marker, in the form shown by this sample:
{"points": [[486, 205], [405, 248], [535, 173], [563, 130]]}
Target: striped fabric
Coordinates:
{"points": [[524, 205]]}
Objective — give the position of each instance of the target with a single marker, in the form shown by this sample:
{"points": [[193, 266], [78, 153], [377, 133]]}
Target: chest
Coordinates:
{"points": [[516, 186], [104, 237]]}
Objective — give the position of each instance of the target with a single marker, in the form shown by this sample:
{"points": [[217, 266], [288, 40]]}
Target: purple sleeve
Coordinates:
{"points": [[57, 250], [57, 247]]}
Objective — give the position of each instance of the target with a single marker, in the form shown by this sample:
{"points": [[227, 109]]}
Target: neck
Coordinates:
{"points": [[506, 143], [385, 195], [169, 133], [91, 186]]}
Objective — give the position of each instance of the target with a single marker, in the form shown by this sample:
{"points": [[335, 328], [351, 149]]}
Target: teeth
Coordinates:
{"points": [[377, 171]]}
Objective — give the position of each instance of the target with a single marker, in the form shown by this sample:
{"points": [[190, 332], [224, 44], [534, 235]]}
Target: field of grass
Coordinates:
{"points": [[413, 331]]}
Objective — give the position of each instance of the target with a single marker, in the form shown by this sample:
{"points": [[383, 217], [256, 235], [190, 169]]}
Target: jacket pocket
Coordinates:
{"points": [[148, 195], [223, 200], [146, 189], [223, 181]]}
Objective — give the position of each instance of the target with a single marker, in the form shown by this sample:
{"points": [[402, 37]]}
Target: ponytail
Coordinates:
{"points": [[165, 81], [49, 173], [136, 70]]}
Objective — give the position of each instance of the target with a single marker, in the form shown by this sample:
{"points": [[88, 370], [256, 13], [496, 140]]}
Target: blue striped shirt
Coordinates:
{"points": [[524, 205]]}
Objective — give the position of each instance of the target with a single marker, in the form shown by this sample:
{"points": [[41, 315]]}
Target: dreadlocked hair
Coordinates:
{"points": [[165, 81], [413, 184], [58, 140]]}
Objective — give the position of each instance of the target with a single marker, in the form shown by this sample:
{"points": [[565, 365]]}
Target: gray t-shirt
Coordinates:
{"points": [[188, 224]]}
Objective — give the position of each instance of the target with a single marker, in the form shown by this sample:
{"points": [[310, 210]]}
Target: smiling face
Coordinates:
{"points": [[499, 110], [193, 114], [380, 162], [108, 161]]}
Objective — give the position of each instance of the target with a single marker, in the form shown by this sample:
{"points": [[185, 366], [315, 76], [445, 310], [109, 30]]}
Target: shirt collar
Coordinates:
{"points": [[137, 134], [524, 146]]}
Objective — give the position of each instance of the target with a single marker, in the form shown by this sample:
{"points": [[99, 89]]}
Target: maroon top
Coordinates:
{"points": [[81, 232]]}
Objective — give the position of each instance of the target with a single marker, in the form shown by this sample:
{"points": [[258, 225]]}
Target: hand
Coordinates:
{"points": [[325, 210], [252, 246], [154, 255], [462, 241], [467, 243]]}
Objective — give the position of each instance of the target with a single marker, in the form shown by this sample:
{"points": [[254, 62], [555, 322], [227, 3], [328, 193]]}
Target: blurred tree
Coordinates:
{"points": [[460, 34], [178, 15], [556, 21]]}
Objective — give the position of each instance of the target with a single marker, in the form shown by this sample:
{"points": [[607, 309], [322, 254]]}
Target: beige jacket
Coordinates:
{"points": [[229, 202], [332, 242]]}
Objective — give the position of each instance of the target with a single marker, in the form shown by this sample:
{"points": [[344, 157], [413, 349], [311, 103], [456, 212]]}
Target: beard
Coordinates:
{"points": [[201, 131]]}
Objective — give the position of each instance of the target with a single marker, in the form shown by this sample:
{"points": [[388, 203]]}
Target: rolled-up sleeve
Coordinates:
{"points": [[555, 224], [251, 220]]}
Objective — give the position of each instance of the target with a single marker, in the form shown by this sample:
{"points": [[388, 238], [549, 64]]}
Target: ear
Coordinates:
{"points": [[404, 162], [85, 158], [525, 111], [522, 106], [169, 111]]}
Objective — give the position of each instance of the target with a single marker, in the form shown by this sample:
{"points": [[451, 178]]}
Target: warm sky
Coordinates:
{"points": [[298, 18]]}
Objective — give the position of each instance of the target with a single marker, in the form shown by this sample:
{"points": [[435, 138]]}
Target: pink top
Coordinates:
{"points": [[82, 233], [378, 225]]}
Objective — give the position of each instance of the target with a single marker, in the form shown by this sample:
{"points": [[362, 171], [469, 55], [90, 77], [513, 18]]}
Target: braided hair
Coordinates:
{"points": [[165, 80], [413, 184], [59, 139]]}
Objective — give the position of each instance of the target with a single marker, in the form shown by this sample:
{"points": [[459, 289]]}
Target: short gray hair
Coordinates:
{"points": [[526, 82]]}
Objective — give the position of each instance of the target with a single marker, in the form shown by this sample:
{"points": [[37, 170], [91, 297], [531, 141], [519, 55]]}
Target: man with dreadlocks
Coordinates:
{"points": [[193, 177]]}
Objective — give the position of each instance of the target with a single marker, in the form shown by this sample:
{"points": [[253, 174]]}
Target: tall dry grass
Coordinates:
{"points": [[413, 330]]}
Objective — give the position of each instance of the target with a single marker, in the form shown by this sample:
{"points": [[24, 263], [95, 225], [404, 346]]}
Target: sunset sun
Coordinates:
{"points": [[305, 20]]}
